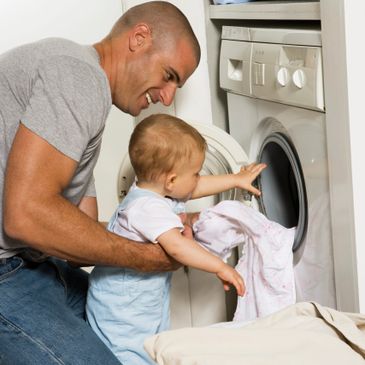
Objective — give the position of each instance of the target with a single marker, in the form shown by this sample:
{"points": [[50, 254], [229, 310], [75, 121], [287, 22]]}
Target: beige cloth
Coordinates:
{"points": [[304, 333]]}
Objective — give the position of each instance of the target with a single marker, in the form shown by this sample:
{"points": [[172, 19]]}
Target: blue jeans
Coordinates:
{"points": [[42, 308]]}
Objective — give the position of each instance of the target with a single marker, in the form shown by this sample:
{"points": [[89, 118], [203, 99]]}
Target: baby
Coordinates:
{"points": [[124, 306]]}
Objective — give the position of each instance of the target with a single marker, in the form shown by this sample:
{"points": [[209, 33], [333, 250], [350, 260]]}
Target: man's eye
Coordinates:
{"points": [[168, 76]]}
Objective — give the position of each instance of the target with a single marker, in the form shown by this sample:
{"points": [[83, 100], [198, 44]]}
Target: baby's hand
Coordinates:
{"points": [[247, 175], [229, 276]]}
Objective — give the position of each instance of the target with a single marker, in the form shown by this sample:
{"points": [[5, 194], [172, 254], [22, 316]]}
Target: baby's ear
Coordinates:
{"points": [[170, 181]]}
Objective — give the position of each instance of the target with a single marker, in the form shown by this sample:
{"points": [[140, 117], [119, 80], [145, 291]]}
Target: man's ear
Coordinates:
{"points": [[140, 36], [170, 181]]}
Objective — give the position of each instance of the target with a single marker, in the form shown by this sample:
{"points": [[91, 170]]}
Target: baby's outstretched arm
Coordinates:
{"points": [[210, 185], [190, 253]]}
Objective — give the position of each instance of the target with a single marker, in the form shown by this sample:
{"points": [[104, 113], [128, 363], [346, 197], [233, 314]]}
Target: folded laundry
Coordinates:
{"points": [[266, 262], [303, 333]]}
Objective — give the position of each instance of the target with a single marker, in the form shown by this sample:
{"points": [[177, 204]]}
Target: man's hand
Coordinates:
{"points": [[188, 220]]}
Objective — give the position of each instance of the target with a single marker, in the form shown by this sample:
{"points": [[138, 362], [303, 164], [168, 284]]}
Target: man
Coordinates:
{"points": [[55, 96]]}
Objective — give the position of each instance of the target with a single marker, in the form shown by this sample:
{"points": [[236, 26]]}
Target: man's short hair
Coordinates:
{"points": [[165, 20]]}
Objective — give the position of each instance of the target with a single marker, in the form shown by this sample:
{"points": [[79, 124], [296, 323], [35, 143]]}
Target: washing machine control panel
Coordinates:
{"points": [[285, 73]]}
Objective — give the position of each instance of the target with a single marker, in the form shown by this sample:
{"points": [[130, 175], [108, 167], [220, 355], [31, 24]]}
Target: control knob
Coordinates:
{"points": [[299, 79], [282, 76]]}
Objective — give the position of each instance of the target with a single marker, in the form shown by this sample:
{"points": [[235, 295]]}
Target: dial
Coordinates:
{"points": [[299, 79], [282, 76]]}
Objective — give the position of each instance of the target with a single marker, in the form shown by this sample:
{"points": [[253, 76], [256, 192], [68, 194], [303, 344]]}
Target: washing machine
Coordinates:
{"points": [[276, 111]]}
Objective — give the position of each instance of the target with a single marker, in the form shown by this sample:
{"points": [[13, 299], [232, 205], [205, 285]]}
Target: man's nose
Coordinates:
{"points": [[167, 94]]}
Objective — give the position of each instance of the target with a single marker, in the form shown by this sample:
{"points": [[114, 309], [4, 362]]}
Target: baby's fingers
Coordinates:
{"points": [[226, 286], [230, 276], [253, 190], [237, 281], [254, 168], [240, 286]]}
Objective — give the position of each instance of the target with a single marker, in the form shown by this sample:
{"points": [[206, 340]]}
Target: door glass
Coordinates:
{"points": [[283, 195]]}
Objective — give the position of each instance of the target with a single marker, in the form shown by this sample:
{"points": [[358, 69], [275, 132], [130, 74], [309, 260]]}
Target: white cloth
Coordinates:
{"points": [[266, 263], [302, 334]]}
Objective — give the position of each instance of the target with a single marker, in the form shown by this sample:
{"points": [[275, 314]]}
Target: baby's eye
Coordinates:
{"points": [[168, 76]]}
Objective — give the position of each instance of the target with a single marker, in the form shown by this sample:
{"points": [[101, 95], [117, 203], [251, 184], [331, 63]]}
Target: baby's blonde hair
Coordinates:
{"points": [[159, 143]]}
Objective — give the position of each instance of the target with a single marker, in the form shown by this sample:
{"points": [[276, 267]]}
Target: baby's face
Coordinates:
{"points": [[188, 176]]}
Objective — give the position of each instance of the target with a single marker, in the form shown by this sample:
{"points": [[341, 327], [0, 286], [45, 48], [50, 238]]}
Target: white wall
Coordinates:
{"points": [[84, 21]]}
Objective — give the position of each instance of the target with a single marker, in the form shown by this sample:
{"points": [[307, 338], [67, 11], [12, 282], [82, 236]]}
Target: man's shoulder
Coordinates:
{"points": [[51, 53], [66, 49]]}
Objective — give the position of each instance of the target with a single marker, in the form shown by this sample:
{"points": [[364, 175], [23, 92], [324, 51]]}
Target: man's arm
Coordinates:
{"points": [[36, 213], [89, 206]]}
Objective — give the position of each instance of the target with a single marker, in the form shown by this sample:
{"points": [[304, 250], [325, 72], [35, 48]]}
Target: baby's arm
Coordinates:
{"points": [[190, 253], [210, 185]]}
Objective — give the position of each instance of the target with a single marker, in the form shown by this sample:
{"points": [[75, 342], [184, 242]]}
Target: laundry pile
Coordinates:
{"points": [[301, 334], [266, 263]]}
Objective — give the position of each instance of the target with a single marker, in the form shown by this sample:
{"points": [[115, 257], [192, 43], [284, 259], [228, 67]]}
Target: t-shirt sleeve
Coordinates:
{"points": [[91, 189], [154, 217], [67, 106]]}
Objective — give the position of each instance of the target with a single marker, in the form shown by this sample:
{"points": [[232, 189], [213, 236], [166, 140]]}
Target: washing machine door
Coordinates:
{"points": [[191, 289]]}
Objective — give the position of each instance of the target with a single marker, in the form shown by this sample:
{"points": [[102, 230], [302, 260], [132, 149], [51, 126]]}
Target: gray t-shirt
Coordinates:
{"points": [[58, 90]]}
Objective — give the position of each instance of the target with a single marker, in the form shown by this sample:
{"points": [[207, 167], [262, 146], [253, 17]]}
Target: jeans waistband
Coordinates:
{"points": [[27, 254], [19, 257], [5, 260]]}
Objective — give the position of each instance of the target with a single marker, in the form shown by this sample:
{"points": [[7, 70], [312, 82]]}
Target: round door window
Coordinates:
{"points": [[283, 197]]}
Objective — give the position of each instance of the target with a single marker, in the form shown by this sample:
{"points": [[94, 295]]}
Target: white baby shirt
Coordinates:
{"points": [[147, 212]]}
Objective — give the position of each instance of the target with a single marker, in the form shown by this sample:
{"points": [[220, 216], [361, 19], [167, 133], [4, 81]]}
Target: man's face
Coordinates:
{"points": [[153, 76]]}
